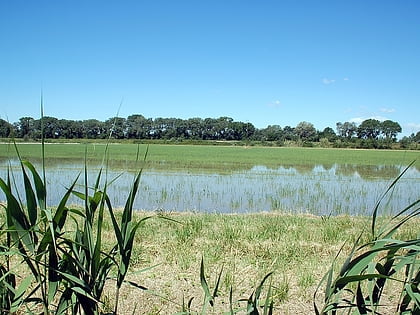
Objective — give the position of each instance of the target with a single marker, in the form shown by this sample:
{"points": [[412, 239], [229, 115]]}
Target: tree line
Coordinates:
{"points": [[371, 133]]}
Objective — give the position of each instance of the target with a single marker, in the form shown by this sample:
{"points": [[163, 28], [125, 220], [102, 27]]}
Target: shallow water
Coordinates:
{"points": [[315, 189]]}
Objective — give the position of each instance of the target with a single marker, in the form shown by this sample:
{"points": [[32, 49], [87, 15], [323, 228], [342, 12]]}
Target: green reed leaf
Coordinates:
{"points": [[40, 189], [207, 295]]}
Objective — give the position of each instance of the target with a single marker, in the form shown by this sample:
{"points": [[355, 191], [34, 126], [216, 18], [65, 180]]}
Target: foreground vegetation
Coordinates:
{"points": [[165, 262]]}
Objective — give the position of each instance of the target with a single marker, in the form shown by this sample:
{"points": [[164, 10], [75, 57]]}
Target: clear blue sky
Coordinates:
{"points": [[264, 62]]}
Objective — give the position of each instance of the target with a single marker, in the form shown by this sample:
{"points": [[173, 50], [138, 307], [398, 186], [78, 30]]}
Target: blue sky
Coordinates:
{"points": [[264, 62]]}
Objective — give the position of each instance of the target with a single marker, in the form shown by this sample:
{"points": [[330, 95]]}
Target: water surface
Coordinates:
{"points": [[316, 189]]}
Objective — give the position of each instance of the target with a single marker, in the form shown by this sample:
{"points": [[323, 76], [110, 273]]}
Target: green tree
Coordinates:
{"points": [[390, 129], [289, 133], [69, 129], [50, 127], [416, 137], [93, 129], [25, 127], [328, 133], [346, 129], [116, 127], [194, 128], [5, 128], [369, 129], [305, 131], [209, 132], [272, 133]]}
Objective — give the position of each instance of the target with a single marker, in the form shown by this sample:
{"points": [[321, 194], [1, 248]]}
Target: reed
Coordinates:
{"points": [[61, 247]]}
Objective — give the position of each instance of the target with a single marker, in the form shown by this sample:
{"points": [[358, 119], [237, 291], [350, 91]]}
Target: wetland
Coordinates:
{"points": [[234, 180]]}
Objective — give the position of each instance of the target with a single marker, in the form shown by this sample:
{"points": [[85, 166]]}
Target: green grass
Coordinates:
{"points": [[213, 157], [296, 247]]}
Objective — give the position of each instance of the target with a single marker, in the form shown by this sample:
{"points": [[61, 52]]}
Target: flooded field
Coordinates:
{"points": [[315, 189]]}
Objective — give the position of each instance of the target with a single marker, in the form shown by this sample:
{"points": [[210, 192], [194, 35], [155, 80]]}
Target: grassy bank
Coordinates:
{"points": [[165, 262], [298, 249], [214, 157]]}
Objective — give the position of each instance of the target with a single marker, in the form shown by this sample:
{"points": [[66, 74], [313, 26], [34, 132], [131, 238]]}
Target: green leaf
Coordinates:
{"points": [[20, 292], [204, 285], [31, 203], [40, 188]]}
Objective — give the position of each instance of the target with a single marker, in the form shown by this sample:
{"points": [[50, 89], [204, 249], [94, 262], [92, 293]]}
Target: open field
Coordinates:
{"points": [[214, 157]]}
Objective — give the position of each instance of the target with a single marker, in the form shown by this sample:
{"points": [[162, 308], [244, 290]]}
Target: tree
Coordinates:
{"points": [[346, 129], [249, 130], [194, 128], [5, 128], [416, 137], [272, 133], [328, 133], [25, 127], [369, 129], [50, 127], [289, 133], [240, 131], [116, 127], [305, 131], [222, 128], [390, 129], [138, 127], [93, 129]]}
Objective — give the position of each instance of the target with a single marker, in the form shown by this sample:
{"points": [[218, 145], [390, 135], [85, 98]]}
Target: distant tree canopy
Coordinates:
{"points": [[371, 132], [5, 128]]}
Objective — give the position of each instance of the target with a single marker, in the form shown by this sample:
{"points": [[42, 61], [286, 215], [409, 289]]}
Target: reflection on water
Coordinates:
{"points": [[322, 189]]}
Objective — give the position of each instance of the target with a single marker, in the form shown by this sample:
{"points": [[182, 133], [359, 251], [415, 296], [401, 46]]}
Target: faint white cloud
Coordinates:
{"points": [[387, 110], [275, 104], [356, 120], [328, 81], [359, 120], [346, 79]]}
